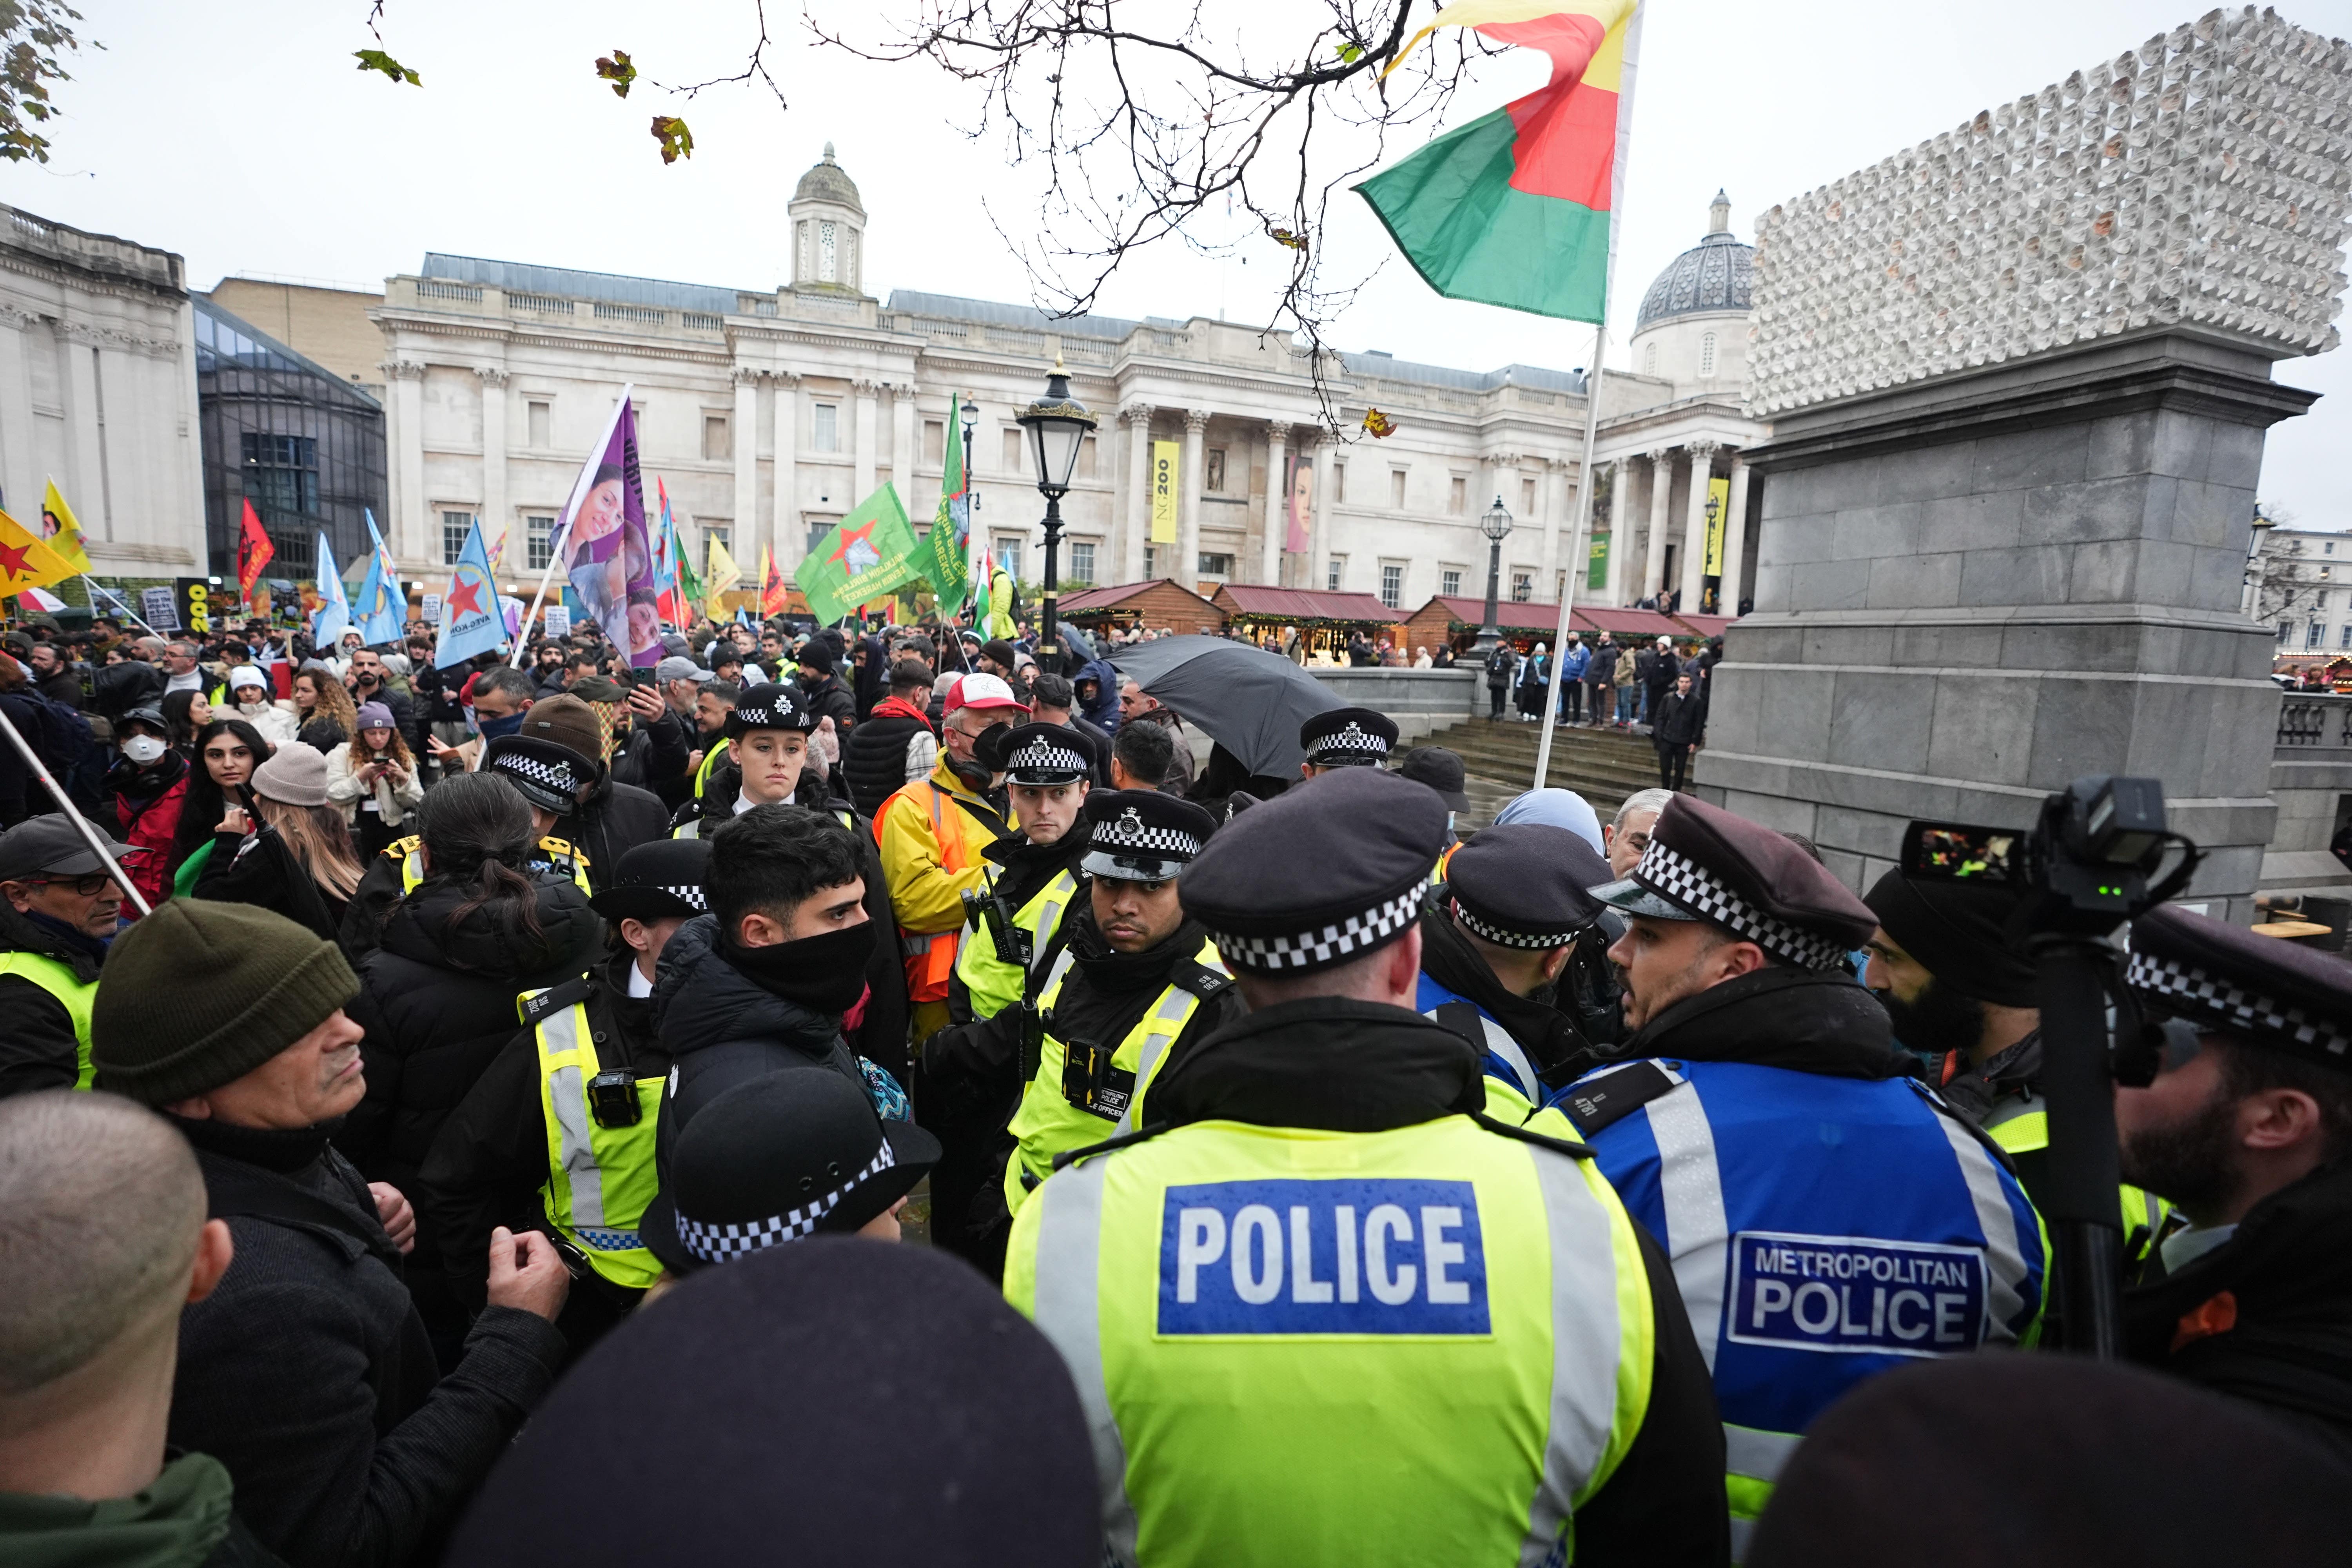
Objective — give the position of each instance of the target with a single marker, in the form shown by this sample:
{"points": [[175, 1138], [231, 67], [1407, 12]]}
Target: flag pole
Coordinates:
{"points": [[118, 602], [1577, 548], [73, 815], [571, 514], [522, 632]]}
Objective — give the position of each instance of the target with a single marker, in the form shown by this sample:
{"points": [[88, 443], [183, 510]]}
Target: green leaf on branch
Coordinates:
{"points": [[677, 140], [618, 71], [1349, 54], [377, 60]]}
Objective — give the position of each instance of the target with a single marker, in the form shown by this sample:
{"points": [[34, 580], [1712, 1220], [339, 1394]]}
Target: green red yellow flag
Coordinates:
{"points": [[25, 561], [869, 555], [1514, 208]]}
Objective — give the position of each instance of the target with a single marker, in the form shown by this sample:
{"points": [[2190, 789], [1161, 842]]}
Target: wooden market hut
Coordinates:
{"points": [[1158, 603], [1455, 619], [1324, 621]]}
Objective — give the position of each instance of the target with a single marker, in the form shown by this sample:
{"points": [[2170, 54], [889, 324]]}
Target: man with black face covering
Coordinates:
{"points": [[1960, 995], [762, 982]]}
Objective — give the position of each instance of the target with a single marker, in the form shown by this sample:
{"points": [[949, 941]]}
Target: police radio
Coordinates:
{"points": [[1011, 942]]}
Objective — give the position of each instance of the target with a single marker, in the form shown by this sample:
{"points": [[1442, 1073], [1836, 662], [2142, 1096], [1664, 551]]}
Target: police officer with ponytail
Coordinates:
{"points": [[1318, 1304]]}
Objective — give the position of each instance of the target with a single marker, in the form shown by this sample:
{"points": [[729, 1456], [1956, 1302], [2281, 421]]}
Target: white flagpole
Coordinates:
{"points": [[1577, 549], [118, 600], [66, 805], [579, 488]]}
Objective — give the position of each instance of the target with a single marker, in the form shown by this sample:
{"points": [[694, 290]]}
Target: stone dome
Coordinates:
{"points": [[1716, 275], [825, 182]]}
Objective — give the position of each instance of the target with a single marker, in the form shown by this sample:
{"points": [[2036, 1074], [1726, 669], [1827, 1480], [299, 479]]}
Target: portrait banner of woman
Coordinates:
{"points": [[606, 555]]}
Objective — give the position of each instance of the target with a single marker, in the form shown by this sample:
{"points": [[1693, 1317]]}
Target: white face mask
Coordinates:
{"points": [[142, 749]]}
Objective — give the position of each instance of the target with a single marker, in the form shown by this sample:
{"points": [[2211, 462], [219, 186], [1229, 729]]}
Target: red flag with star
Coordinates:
{"points": [[771, 584], [253, 550], [25, 561]]}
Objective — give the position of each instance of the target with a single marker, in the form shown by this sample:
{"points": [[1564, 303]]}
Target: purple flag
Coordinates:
{"points": [[606, 556], [1298, 502]]}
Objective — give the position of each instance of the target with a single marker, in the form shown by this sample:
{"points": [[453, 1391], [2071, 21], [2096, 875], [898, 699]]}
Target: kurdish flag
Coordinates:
{"points": [[724, 575], [1514, 208], [949, 542], [60, 529], [870, 554]]}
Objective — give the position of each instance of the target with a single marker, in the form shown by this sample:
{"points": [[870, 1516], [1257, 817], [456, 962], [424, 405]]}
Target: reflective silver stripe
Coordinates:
{"points": [[1586, 1342], [1742, 1531], [1175, 1010], [689, 830], [2004, 1257], [1697, 1237], [1049, 918], [568, 1094], [412, 870], [1499, 1041], [2009, 1110], [1052, 987], [1758, 1455], [1069, 1311]]}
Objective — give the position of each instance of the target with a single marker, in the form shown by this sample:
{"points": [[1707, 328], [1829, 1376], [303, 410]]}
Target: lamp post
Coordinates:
{"points": [[1496, 526], [2250, 600], [1714, 511], [1057, 423]]}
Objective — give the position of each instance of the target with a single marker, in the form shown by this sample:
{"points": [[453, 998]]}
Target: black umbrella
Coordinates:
{"points": [[1249, 700]]}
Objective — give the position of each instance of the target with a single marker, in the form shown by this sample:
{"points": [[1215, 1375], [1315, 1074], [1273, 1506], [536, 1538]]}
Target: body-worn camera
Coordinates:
{"points": [[613, 1098]]}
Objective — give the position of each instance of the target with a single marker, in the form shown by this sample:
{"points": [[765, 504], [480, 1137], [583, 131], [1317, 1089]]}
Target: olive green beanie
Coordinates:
{"points": [[199, 993]]}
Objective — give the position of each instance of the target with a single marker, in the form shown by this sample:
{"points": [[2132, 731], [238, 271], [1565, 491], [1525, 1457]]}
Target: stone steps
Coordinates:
{"points": [[1604, 767]]}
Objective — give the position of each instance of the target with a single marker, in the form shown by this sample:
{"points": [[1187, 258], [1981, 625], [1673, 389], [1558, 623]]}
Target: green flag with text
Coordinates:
{"points": [[948, 563], [870, 555]]}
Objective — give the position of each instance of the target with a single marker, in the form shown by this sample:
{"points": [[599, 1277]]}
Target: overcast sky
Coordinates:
{"points": [[240, 134]]}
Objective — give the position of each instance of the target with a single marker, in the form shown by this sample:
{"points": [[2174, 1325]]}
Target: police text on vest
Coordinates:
{"points": [[1855, 1294], [1358, 1256]]}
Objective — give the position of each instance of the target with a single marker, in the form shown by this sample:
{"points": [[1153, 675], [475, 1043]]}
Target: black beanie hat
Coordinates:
{"points": [[1955, 931], [199, 993], [840, 1401]]}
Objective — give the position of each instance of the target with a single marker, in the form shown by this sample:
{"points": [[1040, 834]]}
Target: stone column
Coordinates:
{"points": [[20, 460], [1554, 492], [1693, 561], [903, 450], [1188, 524], [866, 414], [1278, 494], [787, 536], [77, 373], [1319, 528], [1654, 554], [495, 520], [747, 456], [1735, 537], [410, 530], [1138, 531]]}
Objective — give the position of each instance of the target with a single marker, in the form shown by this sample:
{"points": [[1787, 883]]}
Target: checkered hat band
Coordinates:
{"points": [[2189, 989], [1310, 950], [1123, 837], [1354, 738], [1702, 892], [736, 1239], [554, 776], [692, 895], [1044, 756], [1502, 938]]}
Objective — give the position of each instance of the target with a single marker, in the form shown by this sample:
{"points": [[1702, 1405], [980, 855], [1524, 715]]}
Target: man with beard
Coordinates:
{"points": [[1494, 941], [1137, 980], [970, 1068], [2245, 1125], [1828, 1217], [1960, 995]]}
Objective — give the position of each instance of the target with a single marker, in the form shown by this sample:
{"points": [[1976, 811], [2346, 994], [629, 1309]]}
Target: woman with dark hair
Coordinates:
{"points": [[226, 752], [323, 705], [455, 952], [292, 853], [186, 713]]}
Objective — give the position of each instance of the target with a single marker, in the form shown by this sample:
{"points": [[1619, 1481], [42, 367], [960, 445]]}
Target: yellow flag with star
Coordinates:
{"points": [[64, 530], [25, 561]]}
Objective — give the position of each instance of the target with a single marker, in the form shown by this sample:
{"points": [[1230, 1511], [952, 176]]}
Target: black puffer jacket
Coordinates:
{"points": [[873, 758], [612, 819], [721, 1028], [829, 699], [444, 986]]}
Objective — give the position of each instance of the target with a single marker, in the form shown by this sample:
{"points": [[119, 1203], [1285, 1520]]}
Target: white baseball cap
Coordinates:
{"points": [[982, 691]]}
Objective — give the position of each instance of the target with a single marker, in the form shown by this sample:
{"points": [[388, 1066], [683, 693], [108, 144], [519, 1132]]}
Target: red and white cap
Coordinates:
{"points": [[983, 690]]}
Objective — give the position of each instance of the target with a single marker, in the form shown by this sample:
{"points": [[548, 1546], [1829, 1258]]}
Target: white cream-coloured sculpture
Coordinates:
{"points": [[2202, 180]]}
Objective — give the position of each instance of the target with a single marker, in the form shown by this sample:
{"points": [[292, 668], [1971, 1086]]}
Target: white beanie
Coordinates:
{"points": [[248, 675]]}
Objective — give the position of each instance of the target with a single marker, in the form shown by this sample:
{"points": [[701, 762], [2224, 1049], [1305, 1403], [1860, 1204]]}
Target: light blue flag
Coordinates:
{"points": [[382, 608], [334, 611], [471, 622]]}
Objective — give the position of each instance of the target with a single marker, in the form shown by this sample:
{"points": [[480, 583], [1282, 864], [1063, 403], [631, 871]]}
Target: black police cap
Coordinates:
{"points": [[1326, 872], [661, 879], [548, 776], [1440, 769], [1039, 755], [1525, 885], [768, 707], [2225, 977], [1142, 835], [1347, 737], [1705, 864]]}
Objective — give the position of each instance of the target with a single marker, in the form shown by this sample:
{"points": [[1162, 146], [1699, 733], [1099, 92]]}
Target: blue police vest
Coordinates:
{"points": [[1822, 1230], [1507, 1065]]}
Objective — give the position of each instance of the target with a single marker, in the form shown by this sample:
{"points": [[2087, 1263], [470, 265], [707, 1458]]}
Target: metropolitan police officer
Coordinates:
{"points": [[1828, 1216], [1496, 941], [767, 747], [1347, 738], [1323, 1309], [2245, 1122], [558, 1132]]}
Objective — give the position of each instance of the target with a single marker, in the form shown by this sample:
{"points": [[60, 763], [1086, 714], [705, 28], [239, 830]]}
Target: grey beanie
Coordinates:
{"points": [[295, 774]]}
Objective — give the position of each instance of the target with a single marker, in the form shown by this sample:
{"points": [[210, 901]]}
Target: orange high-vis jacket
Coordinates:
{"points": [[930, 834]]}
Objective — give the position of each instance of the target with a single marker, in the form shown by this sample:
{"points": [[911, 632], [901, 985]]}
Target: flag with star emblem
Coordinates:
{"points": [[25, 561], [471, 621], [61, 531], [381, 607], [724, 575], [871, 554], [334, 611], [253, 550]]}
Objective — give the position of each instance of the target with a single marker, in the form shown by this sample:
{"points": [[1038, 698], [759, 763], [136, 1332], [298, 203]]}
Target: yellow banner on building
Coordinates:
{"points": [[1718, 516], [1167, 465]]}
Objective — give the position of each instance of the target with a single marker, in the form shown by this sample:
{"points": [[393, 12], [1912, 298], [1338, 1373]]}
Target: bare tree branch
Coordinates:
{"points": [[757, 66]]}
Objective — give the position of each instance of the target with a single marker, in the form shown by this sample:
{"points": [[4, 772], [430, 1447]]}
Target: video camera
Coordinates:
{"points": [[2086, 864]]}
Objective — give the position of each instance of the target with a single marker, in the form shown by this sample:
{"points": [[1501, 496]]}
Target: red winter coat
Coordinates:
{"points": [[151, 829]]}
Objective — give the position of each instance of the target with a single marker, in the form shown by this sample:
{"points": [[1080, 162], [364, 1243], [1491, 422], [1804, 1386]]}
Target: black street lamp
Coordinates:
{"points": [[970, 412], [1714, 511], [1059, 425], [1496, 526]]}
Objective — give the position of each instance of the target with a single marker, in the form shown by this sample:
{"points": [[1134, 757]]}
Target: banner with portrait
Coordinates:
{"points": [[606, 553]]}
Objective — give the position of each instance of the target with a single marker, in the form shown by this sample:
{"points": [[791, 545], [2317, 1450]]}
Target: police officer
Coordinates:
{"points": [[2246, 1123], [557, 1134], [1323, 1309], [1496, 941], [1347, 738], [57, 913], [1828, 1216], [767, 749], [1959, 994], [1136, 980]]}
